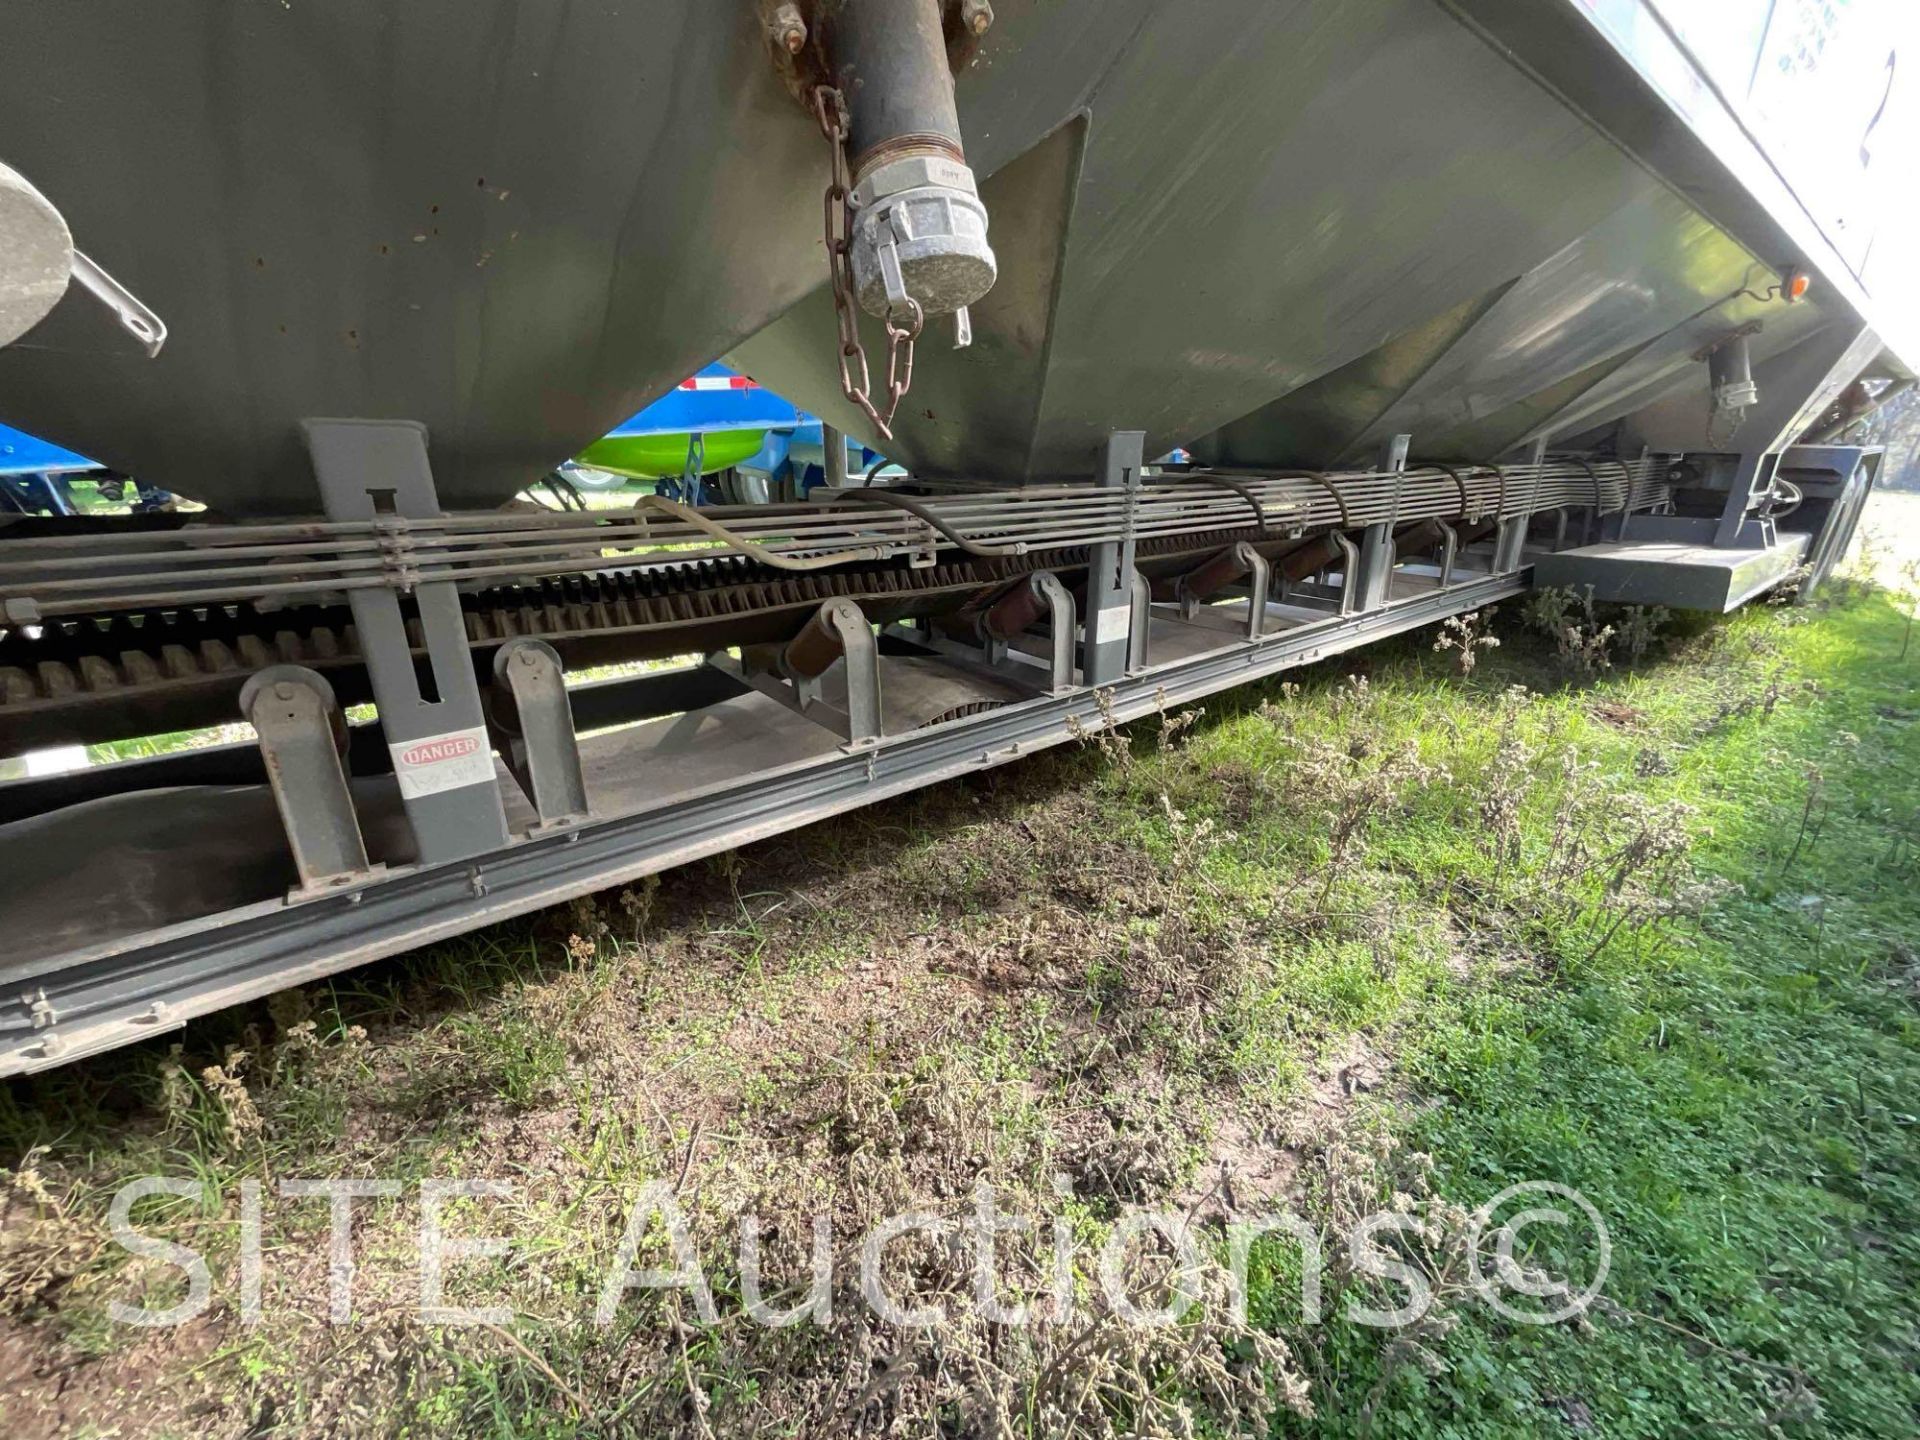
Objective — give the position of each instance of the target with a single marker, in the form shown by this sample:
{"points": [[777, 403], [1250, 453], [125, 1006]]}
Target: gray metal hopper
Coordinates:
{"points": [[1274, 230]]}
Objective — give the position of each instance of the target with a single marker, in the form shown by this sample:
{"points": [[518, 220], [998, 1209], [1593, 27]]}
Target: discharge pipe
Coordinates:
{"points": [[919, 233]]}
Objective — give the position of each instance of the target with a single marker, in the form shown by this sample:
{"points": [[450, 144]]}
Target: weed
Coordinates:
{"points": [[1345, 777], [1581, 641], [1466, 637], [1638, 627], [1114, 745], [1506, 784]]}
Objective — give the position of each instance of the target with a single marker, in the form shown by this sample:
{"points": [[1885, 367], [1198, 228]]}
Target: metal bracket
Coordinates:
{"points": [[1218, 574], [1034, 596], [1107, 647], [838, 631], [532, 722], [1393, 459], [303, 735], [1139, 624], [1449, 551], [1349, 574], [1377, 556], [1510, 537], [132, 313], [1260, 579], [1633, 486], [1510, 541], [1858, 467], [991, 650], [1794, 388], [373, 468], [1060, 619], [1374, 571]]}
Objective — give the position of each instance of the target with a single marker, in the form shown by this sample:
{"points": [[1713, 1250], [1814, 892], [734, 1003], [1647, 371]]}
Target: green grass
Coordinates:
{"points": [[1737, 1101], [1656, 937]]}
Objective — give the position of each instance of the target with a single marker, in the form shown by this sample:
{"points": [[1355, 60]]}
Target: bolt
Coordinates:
{"points": [[976, 15], [788, 29], [283, 691]]}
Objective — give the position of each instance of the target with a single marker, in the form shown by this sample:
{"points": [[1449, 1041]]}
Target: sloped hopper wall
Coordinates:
{"points": [[519, 223], [1345, 224]]}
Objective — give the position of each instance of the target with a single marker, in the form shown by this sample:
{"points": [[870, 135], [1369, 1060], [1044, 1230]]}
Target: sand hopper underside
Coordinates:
{"points": [[518, 224]]}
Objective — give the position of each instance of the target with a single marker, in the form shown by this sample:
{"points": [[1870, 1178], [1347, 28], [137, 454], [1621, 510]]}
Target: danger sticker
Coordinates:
{"points": [[442, 762]]}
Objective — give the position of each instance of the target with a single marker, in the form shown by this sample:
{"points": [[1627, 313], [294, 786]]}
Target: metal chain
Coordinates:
{"points": [[1715, 415], [830, 108]]}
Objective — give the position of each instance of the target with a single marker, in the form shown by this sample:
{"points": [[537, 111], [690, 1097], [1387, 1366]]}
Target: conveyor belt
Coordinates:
{"points": [[95, 678], [82, 663]]}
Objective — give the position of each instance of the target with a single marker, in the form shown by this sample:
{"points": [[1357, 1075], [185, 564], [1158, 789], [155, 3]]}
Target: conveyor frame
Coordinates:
{"points": [[94, 1001]]}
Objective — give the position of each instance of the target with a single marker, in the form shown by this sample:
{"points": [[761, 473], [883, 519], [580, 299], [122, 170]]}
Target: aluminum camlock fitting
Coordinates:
{"points": [[920, 236]]}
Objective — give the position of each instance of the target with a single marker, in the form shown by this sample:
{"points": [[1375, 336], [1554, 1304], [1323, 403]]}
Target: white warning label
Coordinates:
{"points": [[1111, 624], [443, 762]]}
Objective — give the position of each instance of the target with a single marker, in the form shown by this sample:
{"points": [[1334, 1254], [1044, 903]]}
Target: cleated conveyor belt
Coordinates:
{"points": [[156, 632]]}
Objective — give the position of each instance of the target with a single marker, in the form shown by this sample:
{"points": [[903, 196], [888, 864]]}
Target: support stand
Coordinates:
{"points": [[532, 722], [1376, 541], [1794, 389], [1857, 467], [838, 631], [1449, 552], [1041, 592], [303, 737], [1107, 649], [1011, 616], [1139, 624], [1223, 570], [1349, 574], [376, 470]]}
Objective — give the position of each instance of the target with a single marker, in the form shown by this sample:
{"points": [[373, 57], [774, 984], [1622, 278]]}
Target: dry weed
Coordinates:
{"points": [[1465, 635]]}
